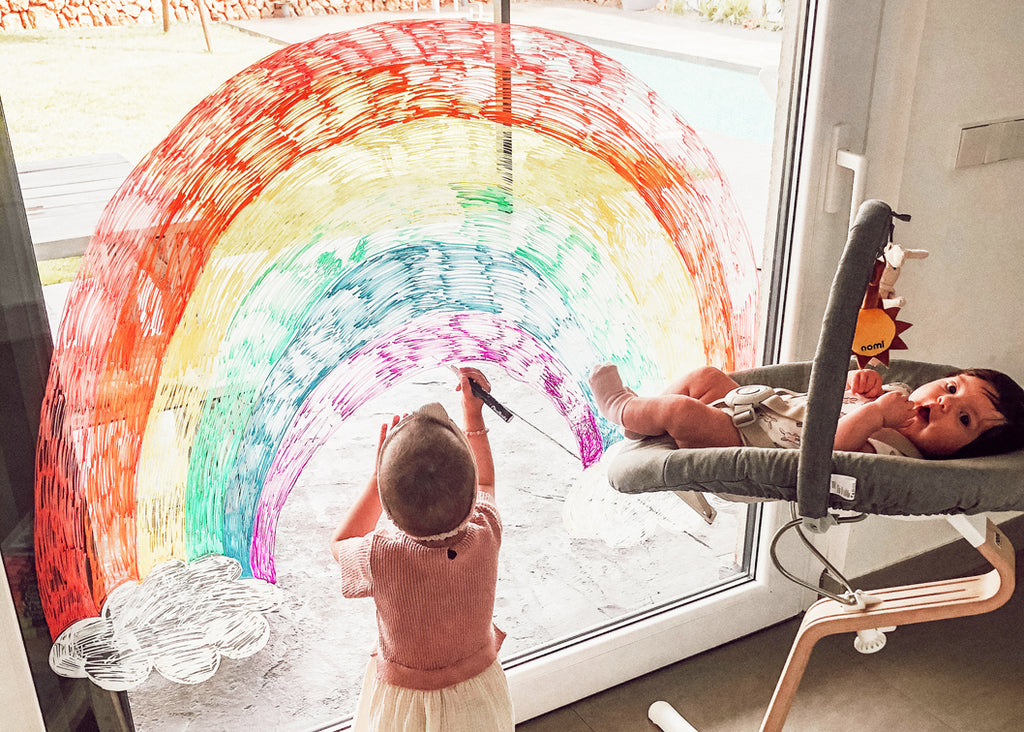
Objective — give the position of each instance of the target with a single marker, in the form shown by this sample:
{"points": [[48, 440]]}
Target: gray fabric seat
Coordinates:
{"points": [[888, 485]]}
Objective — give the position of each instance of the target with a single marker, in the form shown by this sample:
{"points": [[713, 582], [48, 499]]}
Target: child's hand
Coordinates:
{"points": [[384, 430], [468, 398], [865, 382], [892, 409], [896, 409], [362, 518]]}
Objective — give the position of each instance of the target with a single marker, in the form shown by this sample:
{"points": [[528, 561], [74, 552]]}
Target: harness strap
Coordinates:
{"points": [[742, 403]]}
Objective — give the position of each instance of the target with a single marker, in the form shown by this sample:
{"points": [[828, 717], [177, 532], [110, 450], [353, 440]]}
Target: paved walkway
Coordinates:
{"points": [[686, 37], [745, 163]]}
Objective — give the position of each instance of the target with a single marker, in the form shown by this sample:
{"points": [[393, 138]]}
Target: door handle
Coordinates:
{"points": [[840, 157]]}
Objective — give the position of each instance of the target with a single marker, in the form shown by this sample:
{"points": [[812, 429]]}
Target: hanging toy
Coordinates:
{"points": [[878, 331], [894, 256]]}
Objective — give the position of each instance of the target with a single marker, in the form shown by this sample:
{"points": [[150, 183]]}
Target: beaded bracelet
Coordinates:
{"points": [[484, 431]]}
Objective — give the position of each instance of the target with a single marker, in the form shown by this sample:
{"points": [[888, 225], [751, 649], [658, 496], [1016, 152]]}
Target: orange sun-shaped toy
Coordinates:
{"points": [[878, 331]]}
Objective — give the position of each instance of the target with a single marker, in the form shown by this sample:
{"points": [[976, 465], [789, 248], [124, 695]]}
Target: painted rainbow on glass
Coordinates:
{"points": [[337, 217]]}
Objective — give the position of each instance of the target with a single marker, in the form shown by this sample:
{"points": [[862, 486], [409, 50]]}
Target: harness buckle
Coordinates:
{"points": [[744, 400]]}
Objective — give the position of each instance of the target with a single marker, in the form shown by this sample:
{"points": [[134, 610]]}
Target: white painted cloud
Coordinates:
{"points": [[179, 621]]}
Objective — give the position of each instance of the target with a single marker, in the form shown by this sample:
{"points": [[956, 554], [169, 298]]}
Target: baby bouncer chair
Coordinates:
{"points": [[824, 487]]}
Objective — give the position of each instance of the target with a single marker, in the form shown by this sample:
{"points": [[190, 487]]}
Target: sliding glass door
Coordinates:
{"points": [[595, 587]]}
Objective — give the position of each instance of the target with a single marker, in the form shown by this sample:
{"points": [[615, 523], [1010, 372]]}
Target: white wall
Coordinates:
{"points": [[966, 297], [956, 63]]}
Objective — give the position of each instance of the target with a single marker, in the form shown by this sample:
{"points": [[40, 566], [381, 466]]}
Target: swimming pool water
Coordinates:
{"points": [[708, 97]]}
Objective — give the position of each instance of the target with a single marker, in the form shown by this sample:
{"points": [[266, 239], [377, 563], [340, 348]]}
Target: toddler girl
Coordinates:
{"points": [[432, 575]]}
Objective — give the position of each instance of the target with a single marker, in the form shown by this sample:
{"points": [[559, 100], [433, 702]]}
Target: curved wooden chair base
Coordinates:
{"points": [[905, 605]]}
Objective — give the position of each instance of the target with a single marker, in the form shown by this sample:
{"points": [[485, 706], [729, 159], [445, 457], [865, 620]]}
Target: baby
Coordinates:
{"points": [[966, 414]]}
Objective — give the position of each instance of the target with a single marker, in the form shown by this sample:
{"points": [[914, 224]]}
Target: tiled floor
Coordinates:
{"points": [[964, 674]]}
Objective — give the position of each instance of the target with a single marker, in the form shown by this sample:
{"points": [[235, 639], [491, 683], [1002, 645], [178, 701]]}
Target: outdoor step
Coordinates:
{"points": [[64, 199]]}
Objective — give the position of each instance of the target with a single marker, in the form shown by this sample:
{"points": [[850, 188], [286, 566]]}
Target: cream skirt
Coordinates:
{"points": [[479, 703]]}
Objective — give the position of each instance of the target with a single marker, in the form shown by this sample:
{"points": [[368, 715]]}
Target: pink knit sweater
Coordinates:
{"points": [[434, 604]]}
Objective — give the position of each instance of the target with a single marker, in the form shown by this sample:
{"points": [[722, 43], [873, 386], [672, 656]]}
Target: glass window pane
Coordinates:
{"points": [[25, 346], [578, 559]]}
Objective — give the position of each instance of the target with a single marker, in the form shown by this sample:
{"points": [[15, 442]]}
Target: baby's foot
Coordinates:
{"points": [[611, 395]]}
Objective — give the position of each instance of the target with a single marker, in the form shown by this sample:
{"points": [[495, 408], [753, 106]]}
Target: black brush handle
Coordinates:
{"points": [[486, 398]]}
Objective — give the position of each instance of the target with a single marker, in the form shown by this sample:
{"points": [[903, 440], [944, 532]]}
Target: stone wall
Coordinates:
{"points": [[18, 15]]}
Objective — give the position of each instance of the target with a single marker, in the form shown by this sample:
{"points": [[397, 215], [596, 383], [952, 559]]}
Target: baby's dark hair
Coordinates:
{"points": [[1008, 399]]}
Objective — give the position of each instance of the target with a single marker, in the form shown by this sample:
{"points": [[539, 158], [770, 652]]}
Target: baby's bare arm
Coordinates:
{"points": [[892, 409]]}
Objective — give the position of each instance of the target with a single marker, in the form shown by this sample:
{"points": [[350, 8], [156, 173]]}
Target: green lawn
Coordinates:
{"points": [[80, 91]]}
